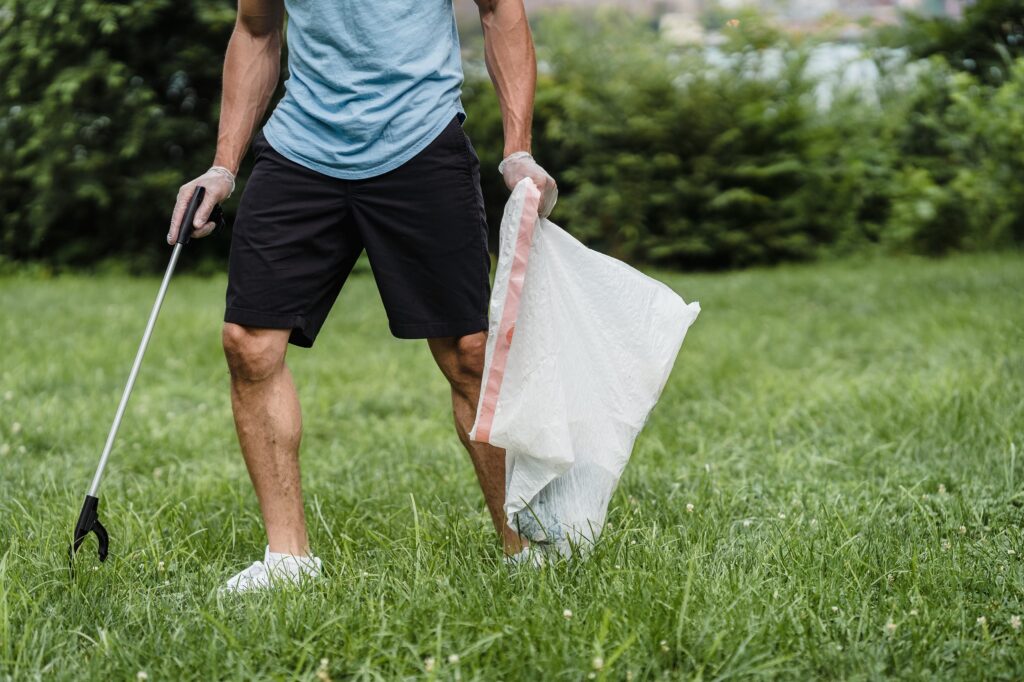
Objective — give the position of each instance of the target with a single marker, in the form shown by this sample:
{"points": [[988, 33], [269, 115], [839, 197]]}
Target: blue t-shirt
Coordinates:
{"points": [[371, 83]]}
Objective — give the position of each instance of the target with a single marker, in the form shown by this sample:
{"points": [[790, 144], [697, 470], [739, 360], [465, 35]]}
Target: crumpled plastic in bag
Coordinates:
{"points": [[579, 348]]}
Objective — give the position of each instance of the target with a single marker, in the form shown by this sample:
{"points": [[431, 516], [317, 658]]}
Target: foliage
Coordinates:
{"points": [[984, 42], [105, 107], [849, 436], [935, 166], [665, 157], [670, 156]]}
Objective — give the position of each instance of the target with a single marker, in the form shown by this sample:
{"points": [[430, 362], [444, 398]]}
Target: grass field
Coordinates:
{"points": [[849, 437]]}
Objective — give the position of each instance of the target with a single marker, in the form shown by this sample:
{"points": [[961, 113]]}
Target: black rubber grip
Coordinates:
{"points": [[186, 227]]}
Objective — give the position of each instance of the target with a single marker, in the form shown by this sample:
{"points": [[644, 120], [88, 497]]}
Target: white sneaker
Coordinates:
{"points": [[276, 569], [527, 556]]}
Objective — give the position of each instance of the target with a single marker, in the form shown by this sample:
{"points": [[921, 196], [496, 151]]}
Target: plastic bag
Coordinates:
{"points": [[579, 348]]}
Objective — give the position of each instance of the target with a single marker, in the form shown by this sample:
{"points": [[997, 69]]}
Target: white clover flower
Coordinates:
{"points": [[1015, 622], [567, 614], [664, 645], [598, 663], [9, 395], [945, 545], [835, 609], [942, 489], [963, 530], [160, 566], [782, 515], [141, 676], [16, 427], [1011, 552], [454, 659], [746, 523], [913, 612], [890, 628], [689, 508], [428, 664], [982, 620], [321, 673]]}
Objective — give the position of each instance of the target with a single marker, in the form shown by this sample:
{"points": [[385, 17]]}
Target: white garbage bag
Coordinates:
{"points": [[580, 346]]}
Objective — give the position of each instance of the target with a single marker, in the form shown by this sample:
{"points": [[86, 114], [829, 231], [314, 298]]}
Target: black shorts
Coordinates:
{"points": [[298, 233]]}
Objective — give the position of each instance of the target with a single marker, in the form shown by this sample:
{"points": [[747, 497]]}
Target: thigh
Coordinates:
{"points": [[292, 246], [425, 232]]}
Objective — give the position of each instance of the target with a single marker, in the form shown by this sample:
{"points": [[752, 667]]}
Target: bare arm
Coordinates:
{"points": [[252, 67], [512, 65]]}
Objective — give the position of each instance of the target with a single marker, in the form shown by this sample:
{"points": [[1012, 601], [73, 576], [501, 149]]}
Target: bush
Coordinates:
{"points": [[105, 108], [664, 156], [664, 159], [953, 170], [985, 42]]}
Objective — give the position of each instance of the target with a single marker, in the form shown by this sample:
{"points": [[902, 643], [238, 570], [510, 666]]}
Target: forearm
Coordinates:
{"points": [[251, 69], [512, 65]]}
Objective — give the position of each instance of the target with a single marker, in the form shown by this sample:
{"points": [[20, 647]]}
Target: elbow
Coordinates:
{"points": [[260, 27], [487, 6], [503, 15]]}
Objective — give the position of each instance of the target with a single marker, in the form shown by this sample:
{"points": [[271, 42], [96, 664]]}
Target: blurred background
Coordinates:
{"points": [[685, 134]]}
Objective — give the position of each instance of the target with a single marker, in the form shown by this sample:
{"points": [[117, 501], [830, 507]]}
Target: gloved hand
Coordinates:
{"points": [[519, 165], [219, 183]]}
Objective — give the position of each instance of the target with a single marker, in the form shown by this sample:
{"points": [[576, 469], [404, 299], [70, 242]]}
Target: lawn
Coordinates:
{"points": [[849, 436]]}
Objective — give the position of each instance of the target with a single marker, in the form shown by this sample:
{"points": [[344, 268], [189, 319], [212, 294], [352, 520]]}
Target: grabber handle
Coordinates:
{"points": [[185, 229]]}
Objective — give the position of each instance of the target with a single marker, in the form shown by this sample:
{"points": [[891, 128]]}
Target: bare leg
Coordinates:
{"points": [[269, 426], [462, 362]]}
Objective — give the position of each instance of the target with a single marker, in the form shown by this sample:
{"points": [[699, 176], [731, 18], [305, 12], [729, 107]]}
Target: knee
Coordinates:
{"points": [[469, 359], [252, 354]]}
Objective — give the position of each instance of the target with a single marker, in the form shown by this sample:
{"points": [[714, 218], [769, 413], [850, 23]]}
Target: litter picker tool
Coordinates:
{"points": [[88, 518]]}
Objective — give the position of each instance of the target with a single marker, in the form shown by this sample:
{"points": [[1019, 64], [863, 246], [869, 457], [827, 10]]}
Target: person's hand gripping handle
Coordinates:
{"points": [[186, 228], [197, 211]]}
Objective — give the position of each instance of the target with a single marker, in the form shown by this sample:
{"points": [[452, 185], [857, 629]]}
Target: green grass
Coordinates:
{"points": [[849, 435]]}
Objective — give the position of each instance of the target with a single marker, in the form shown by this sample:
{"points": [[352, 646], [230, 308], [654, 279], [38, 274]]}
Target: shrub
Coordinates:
{"points": [[985, 42], [664, 156], [105, 108]]}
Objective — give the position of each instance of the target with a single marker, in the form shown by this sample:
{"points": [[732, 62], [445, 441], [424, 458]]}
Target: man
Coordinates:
{"points": [[365, 150]]}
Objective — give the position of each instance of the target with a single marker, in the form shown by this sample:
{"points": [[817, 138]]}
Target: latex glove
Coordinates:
{"points": [[219, 183], [519, 165]]}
